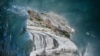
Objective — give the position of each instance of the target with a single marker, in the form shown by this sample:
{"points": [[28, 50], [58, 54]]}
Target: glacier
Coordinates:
{"points": [[26, 32]]}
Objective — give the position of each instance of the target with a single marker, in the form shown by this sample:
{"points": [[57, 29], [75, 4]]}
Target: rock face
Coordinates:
{"points": [[51, 35]]}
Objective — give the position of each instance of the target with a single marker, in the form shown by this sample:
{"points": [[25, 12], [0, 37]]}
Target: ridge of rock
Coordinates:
{"points": [[51, 35]]}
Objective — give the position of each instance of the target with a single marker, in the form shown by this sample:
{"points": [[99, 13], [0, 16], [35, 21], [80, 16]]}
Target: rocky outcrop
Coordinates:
{"points": [[51, 35]]}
